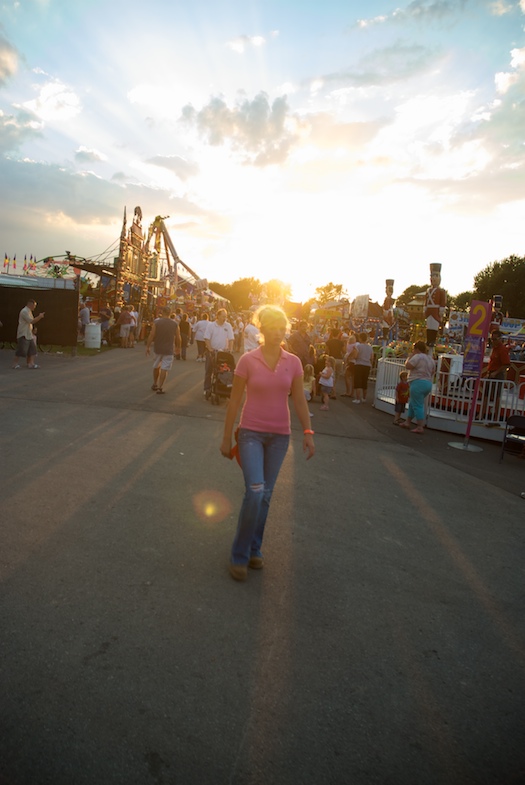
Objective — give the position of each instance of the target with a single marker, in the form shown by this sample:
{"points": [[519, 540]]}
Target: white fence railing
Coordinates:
{"points": [[452, 395]]}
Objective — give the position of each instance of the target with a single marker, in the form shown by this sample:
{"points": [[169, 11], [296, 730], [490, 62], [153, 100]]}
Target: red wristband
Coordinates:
{"points": [[309, 431]]}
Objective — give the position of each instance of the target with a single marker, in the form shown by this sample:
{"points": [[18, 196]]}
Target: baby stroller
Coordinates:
{"points": [[223, 366]]}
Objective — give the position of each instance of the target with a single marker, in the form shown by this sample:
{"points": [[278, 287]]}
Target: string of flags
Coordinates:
{"points": [[48, 267], [28, 267]]}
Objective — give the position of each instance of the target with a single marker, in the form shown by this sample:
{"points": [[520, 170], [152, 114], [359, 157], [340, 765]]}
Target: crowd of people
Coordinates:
{"points": [[329, 351], [275, 363]]}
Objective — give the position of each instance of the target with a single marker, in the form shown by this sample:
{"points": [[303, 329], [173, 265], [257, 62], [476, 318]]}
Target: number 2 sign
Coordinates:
{"points": [[480, 319], [476, 336]]}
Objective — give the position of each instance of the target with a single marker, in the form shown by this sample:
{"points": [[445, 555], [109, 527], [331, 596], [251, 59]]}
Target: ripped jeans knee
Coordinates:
{"points": [[261, 456]]}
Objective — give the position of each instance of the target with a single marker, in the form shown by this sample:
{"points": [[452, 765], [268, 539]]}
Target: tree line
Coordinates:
{"points": [[506, 277]]}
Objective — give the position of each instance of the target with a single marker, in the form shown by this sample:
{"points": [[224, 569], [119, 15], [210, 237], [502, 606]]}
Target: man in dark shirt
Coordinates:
{"points": [[165, 337], [299, 343], [335, 347], [105, 315]]}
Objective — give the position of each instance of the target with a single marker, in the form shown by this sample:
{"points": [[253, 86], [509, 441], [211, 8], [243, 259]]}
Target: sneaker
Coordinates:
{"points": [[30, 367], [356, 400], [15, 367], [239, 572], [256, 562]]}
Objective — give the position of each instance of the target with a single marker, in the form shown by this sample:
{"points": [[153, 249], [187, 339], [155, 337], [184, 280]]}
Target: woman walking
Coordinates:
{"points": [[421, 368], [267, 374], [363, 354], [185, 332]]}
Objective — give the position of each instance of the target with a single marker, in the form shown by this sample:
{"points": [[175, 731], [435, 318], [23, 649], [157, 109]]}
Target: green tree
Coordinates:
{"points": [[461, 301], [331, 291], [277, 292], [506, 278], [220, 288], [238, 292], [408, 295], [242, 291]]}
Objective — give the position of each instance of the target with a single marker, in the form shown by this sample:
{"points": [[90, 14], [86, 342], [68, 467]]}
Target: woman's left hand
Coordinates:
{"points": [[226, 447], [308, 446]]}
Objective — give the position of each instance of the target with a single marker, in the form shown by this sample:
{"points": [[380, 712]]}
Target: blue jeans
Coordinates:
{"points": [[419, 389], [261, 455]]}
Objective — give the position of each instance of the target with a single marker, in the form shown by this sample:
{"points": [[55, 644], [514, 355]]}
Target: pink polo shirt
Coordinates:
{"points": [[266, 406]]}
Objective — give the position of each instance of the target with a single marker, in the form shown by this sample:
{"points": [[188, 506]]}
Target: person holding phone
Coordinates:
{"points": [[26, 347]]}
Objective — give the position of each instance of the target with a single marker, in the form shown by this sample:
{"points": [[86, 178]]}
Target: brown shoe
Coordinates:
{"points": [[239, 572], [256, 562]]}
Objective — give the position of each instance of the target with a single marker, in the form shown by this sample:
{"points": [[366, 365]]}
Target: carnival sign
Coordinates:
{"points": [[476, 337]]}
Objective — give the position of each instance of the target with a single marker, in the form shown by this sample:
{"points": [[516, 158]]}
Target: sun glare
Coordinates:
{"points": [[211, 506]]}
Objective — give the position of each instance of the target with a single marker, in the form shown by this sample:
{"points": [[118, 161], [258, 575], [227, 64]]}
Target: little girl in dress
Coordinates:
{"points": [[326, 381], [309, 383]]}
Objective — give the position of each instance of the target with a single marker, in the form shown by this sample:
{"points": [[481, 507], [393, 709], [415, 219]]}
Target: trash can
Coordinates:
{"points": [[92, 336]]}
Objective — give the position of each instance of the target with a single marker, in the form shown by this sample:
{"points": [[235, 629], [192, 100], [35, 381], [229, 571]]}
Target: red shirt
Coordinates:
{"points": [[499, 358], [402, 392]]}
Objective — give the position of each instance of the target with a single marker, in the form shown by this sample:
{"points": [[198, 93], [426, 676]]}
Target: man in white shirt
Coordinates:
{"points": [[26, 346], [218, 337], [252, 336], [133, 328]]}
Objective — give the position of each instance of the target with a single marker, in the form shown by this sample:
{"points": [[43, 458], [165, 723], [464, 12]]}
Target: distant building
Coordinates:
{"points": [[416, 307]]}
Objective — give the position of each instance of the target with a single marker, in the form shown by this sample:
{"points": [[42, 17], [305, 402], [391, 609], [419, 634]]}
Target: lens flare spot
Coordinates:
{"points": [[211, 506]]}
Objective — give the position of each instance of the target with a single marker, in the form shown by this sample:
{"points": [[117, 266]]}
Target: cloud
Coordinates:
{"points": [[502, 126], [8, 60], [500, 7], [257, 130], [242, 42], [494, 136], [49, 205], [182, 168], [263, 134], [504, 80], [122, 177], [55, 103], [418, 11], [479, 194], [325, 132], [15, 129], [86, 156], [385, 66]]}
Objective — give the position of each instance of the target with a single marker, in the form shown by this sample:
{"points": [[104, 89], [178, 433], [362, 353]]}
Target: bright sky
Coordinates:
{"points": [[308, 141]]}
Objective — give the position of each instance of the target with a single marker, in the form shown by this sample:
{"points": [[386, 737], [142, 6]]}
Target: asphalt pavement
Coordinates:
{"points": [[383, 642]]}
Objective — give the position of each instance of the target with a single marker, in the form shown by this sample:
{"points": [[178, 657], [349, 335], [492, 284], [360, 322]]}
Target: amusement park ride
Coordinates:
{"points": [[147, 268]]}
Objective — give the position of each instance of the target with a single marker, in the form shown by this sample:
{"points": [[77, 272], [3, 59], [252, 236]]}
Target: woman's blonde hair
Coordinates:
{"points": [[269, 316]]}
